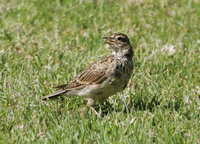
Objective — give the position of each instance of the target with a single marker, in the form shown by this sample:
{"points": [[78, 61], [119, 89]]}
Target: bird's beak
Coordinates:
{"points": [[109, 40]]}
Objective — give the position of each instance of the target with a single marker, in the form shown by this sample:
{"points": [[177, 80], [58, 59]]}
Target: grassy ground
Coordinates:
{"points": [[46, 43]]}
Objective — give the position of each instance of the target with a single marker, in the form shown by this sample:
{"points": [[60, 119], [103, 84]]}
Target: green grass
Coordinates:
{"points": [[47, 43]]}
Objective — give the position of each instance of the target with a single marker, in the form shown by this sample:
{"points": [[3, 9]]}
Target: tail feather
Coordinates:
{"points": [[54, 94], [61, 86]]}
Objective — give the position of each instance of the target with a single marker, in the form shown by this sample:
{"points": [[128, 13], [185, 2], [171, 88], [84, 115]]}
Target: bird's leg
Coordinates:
{"points": [[90, 103], [124, 101]]}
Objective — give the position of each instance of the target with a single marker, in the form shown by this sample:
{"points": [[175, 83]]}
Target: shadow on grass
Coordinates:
{"points": [[142, 105]]}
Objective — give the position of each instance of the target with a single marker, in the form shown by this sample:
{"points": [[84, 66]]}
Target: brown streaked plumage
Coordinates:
{"points": [[104, 77]]}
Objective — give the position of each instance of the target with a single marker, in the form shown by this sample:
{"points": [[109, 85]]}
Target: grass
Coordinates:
{"points": [[47, 43]]}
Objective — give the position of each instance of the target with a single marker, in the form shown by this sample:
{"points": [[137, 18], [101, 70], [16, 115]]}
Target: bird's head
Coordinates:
{"points": [[119, 43]]}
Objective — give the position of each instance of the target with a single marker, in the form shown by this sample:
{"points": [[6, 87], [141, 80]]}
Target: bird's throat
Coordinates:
{"points": [[127, 52]]}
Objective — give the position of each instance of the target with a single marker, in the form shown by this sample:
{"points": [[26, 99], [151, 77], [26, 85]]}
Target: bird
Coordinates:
{"points": [[104, 77]]}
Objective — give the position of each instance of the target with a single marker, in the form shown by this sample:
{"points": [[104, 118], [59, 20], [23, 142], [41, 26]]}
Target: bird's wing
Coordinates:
{"points": [[93, 74]]}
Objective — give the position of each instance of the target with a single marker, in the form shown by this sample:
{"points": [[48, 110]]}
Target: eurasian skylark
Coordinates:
{"points": [[104, 77]]}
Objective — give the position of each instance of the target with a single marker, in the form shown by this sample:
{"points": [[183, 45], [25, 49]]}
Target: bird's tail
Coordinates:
{"points": [[54, 94]]}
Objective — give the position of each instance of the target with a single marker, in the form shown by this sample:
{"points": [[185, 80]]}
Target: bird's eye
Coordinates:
{"points": [[119, 38]]}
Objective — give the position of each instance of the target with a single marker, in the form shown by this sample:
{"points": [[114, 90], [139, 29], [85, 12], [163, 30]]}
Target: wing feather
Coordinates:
{"points": [[94, 74]]}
